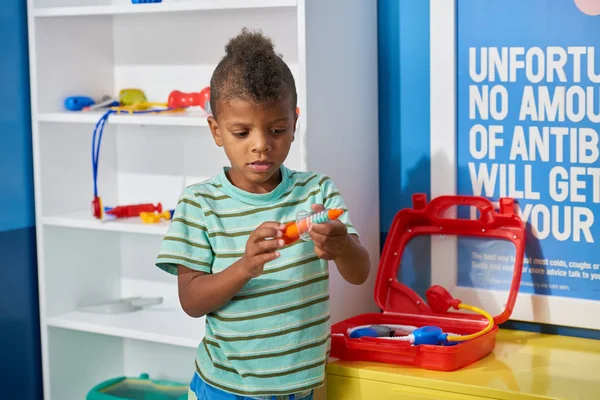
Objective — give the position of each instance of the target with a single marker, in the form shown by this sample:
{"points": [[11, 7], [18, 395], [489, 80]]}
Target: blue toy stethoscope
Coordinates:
{"points": [[432, 335]]}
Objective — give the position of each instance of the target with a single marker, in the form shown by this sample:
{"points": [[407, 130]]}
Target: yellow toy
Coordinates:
{"points": [[133, 100], [153, 217]]}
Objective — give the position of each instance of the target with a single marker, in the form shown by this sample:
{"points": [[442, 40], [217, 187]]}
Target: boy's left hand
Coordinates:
{"points": [[329, 238]]}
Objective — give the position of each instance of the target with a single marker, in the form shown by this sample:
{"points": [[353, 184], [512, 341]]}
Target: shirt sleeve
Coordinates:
{"points": [[332, 198], [186, 242]]}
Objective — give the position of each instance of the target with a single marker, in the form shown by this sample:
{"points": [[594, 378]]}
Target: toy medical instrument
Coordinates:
{"points": [[153, 217], [105, 102], [439, 300], [178, 99], [133, 210], [77, 103], [386, 330], [304, 220]]}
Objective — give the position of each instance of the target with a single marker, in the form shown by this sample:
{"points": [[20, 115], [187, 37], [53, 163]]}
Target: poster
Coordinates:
{"points": [[528, 125]]}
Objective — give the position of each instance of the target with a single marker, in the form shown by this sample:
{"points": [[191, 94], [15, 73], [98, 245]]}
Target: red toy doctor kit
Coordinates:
{"points": [[412, 331]]}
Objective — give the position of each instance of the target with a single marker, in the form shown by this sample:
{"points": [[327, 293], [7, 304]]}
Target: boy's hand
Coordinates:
{"points": [[329, 238], [260, 251]]}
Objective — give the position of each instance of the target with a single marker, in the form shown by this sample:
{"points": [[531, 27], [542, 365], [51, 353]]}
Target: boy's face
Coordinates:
{"points": [[256, 140]]}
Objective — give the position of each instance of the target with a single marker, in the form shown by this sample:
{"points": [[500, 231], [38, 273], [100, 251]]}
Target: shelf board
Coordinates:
{"points": [[155, 324], [85, 220], [170, 6], [188, 118]]}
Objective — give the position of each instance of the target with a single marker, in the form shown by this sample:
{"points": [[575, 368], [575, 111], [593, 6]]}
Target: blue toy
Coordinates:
{"points": [[78, 103]]}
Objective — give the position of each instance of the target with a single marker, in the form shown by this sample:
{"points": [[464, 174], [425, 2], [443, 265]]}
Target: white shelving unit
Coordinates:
{"points": [[98, 47]]}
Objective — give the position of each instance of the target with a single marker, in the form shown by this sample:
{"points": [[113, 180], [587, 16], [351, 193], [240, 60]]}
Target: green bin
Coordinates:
{"points": [[142, 388]]}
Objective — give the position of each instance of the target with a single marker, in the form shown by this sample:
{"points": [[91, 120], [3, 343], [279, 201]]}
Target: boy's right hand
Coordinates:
{"points": [[261, 247]]}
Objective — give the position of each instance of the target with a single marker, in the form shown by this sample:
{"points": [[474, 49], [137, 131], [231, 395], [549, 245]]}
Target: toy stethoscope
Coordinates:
{"points": [[432, 335]]}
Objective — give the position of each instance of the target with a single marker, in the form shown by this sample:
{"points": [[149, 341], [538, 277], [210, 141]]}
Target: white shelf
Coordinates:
{"points": [[85, 220], [171, 6], [187, 118], [155, 324]]}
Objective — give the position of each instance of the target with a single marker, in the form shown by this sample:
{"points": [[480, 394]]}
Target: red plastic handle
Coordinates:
{"points": [[440, 204]]}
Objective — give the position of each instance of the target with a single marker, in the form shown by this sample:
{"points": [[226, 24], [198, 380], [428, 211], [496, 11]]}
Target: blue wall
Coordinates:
{"points": [[404, 147], [404, 133], [20, 369]]}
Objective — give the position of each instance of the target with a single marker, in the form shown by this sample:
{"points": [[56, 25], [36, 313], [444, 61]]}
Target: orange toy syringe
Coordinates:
{"points": [[299, 229]]}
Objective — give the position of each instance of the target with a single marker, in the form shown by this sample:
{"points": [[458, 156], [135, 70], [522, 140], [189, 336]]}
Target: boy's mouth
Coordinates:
{"points": [[260, 166]]}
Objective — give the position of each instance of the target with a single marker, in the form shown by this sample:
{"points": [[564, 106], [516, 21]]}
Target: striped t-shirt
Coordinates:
{"points": [[273, 337]]}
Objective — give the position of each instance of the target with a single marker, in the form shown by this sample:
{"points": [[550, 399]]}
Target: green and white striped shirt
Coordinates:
{"points": [[273, 336]]}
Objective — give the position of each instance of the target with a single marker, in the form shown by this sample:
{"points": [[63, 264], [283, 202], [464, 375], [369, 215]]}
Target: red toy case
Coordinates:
{"points": [[400, 305]]}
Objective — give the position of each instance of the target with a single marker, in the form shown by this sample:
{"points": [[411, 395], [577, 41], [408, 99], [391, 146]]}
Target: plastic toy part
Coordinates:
{"points": [[105, 102], [178, 99], [304, 220], [145, 1], [133, 210], [97, 208], [130, 97], [489, 326], [440, 300], [380, 331], [153, 218], [78, 103]]}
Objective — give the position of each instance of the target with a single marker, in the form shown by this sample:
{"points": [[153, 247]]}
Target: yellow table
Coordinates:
{"points": [[524, 365]]}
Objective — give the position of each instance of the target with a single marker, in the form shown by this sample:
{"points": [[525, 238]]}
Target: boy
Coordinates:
{"points": [[266, 304]]}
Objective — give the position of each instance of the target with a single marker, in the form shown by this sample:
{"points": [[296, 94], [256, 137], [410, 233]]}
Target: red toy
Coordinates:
{"points": [[133, 210], [178, 99], [474, 336]]}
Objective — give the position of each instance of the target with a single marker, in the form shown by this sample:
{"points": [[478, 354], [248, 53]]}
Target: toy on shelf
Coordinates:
{"points": [[85, 103], [134, 101], [423, 333], [178, 99], [153, 217], [78, 103], [134, 210], [304, 220]]}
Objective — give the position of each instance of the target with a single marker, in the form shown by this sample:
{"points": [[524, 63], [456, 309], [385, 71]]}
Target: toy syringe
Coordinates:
{"points": [[304, 220]]}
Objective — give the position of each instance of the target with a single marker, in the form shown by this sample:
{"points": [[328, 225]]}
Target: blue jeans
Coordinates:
{"points": [[203, 391]]}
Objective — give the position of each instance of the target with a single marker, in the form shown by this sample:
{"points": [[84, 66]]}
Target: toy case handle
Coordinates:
{"points": [[438, 205]]}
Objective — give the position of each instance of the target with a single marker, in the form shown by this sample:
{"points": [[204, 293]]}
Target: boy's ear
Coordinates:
{"points": [[295, 125], [214, 130]]}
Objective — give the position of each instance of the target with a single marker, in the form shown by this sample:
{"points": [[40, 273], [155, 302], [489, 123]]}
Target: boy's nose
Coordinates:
{"points": [[262, 143]]}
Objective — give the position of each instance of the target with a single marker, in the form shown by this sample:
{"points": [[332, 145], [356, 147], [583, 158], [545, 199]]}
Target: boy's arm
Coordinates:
{"points": [[201, 293], [353, 261], [333, 242], [338, 240]]}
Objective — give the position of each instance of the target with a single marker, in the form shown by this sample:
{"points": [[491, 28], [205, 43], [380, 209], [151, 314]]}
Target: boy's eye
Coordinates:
{"points": [[241, 134], [278, 131]]}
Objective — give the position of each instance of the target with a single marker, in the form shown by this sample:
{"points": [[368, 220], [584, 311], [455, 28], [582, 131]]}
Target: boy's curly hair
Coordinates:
{"points": [[253, 71]]}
